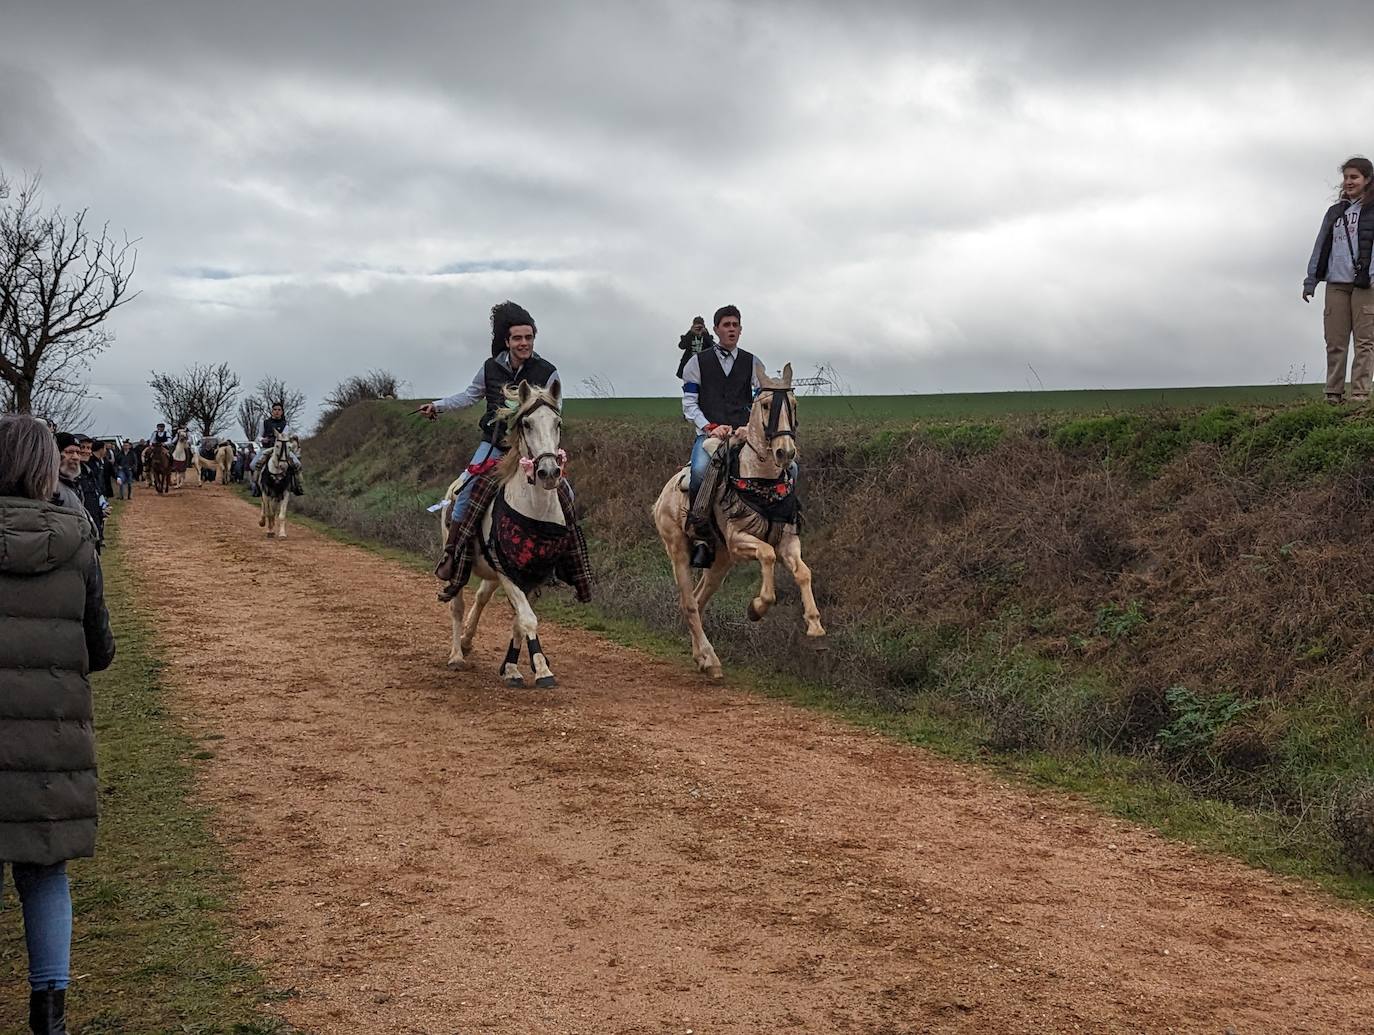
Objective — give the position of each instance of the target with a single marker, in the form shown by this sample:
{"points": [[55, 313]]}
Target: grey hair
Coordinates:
{"points": [[28, 458]]}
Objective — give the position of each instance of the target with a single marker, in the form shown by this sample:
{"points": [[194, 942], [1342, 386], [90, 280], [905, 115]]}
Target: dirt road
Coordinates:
{"points": [[638, 851]]}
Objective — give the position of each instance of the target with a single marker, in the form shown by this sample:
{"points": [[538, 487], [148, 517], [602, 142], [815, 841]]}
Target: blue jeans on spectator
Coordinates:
{"points": [[46, 900], [460, 502]]}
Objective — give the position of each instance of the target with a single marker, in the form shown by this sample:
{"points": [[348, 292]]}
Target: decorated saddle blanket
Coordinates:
{"points": [[773, 500], [529, 552]]}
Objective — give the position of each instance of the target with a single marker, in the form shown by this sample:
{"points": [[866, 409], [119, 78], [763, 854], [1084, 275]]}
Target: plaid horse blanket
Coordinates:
{"points": [[528, 552]]}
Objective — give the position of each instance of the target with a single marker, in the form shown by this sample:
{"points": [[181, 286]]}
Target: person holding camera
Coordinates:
{"points": [[693, 343], [1341, 257]]}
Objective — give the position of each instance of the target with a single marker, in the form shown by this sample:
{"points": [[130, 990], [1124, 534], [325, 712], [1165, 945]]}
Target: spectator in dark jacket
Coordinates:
{"points": [[89, 482], [693, 342], [54, 631]]}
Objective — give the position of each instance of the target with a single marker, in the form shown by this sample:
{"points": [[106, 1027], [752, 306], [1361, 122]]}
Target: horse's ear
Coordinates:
{"points": [[556, 390], [787, 376], [524, 392]]}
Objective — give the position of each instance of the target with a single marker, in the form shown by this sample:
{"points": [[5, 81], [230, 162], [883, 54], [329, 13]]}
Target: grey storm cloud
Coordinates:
{"points": [[932, 197]]}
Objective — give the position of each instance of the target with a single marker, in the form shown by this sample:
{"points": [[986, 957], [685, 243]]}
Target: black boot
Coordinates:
{"points": [[48, 1012], [703, 554], [296, 488]]}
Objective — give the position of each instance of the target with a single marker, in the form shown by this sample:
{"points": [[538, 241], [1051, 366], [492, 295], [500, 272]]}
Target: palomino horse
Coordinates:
{"points": [[157, 461], [275, 481], [182, 456], [768, 451], [224, 459], [530, 474]]}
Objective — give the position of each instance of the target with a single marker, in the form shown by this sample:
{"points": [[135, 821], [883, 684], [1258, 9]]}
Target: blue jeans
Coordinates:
{"points": [[700, 461], [460, 502], [46, 900]]}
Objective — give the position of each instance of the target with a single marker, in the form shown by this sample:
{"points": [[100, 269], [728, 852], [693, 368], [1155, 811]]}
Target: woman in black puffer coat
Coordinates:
{"points": [[54, 631]]}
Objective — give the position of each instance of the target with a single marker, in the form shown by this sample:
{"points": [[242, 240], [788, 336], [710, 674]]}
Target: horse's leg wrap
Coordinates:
{"points": [[510, 667], [543, 674]]}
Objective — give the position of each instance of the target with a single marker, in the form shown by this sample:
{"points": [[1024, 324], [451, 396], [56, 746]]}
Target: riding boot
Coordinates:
{"points": [[48, 1012], [296, 489], [703, 554]]}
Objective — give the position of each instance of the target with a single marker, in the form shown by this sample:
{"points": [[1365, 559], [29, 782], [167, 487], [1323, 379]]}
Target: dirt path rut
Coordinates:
{"points": [[638, 851]]}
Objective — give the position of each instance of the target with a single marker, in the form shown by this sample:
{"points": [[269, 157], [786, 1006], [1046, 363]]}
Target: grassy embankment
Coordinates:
{"points": [[1164, 609], [152, 946]]}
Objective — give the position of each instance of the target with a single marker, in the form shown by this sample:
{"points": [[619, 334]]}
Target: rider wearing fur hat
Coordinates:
{"points": [[513, 360]]}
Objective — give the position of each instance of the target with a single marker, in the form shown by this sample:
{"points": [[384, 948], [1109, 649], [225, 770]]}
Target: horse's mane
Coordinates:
{"points": [[510, 463]]}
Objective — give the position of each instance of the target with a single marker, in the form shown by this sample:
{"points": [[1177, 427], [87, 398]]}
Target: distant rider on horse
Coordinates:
{"points": [[275, 427], [718, 387], [161, 435]]}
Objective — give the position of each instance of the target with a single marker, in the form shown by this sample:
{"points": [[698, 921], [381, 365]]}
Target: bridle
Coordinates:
{"points": [[528, 464], [782, 399]]}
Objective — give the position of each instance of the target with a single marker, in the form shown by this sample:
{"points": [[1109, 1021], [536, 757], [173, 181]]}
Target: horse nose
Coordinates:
{"points": [[549, 474]]}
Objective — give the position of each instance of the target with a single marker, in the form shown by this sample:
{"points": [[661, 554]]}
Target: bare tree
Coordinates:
{"points": [[204, 396], [59, 281], [375, 384], [217, 391], [66, 405], [272, 390], [174, 398], [251, 411]]}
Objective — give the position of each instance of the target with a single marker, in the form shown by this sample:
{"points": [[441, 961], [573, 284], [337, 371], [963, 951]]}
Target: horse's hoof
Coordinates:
{"points": [[546, 682], [459, 664], [262, 522], [755, 615], [715, 673], [514, 682]]}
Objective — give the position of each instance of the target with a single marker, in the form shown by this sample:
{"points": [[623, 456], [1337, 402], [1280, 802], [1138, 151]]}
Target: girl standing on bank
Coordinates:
{"points": [[1341, 258]]}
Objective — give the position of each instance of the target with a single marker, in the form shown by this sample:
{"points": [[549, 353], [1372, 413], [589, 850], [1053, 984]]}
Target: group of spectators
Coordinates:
{"points": [[54, 631]]}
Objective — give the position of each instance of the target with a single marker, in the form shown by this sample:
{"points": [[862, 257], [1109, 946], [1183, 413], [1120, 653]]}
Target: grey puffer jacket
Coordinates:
{"points": [[54, 631]]}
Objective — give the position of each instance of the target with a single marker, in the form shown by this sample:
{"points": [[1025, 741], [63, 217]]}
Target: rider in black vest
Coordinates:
{"points": [[718, 389], [513, 360], [272, 427]]}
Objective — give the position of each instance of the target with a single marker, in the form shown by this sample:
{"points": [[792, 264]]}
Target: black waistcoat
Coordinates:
{"points": [[271, 428], [726, 400], [537, 371]]}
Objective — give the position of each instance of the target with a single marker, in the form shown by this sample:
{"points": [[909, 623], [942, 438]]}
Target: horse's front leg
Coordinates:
{"points": [[526, 631], [790, 552], [484, 593], [266, 514], [281, 515], [747, 547]]}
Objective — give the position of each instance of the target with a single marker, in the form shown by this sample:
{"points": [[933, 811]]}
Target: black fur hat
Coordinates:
{"points": [[503, 317]]}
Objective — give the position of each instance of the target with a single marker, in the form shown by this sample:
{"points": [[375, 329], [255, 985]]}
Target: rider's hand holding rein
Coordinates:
{"points": [[721, 431], [429, 412]]}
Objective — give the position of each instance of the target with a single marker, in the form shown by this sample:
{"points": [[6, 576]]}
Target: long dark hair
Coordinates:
{"points": [[1365, 168]]}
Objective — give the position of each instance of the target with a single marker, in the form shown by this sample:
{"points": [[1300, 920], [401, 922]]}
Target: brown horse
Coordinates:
{"points": [[769, 447], [159, 464]]}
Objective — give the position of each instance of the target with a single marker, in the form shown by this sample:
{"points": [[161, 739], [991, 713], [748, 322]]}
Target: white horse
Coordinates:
{"points": [[530, 474], [769, 450], [224, 459], [275, 482], [182, 454]]}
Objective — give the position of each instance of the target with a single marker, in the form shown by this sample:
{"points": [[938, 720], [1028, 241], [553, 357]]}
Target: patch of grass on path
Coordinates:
{"points": [[1129, 788], [151, 951]]}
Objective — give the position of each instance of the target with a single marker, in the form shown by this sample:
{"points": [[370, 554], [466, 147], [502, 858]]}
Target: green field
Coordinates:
{"points": [[981, 404]]}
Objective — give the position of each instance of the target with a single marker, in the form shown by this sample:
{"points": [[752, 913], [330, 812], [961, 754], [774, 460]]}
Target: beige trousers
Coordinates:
{"points": [[1349, 310]]}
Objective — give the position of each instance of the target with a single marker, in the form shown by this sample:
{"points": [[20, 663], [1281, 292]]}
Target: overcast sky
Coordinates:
{"points": [[1094, 194]]}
